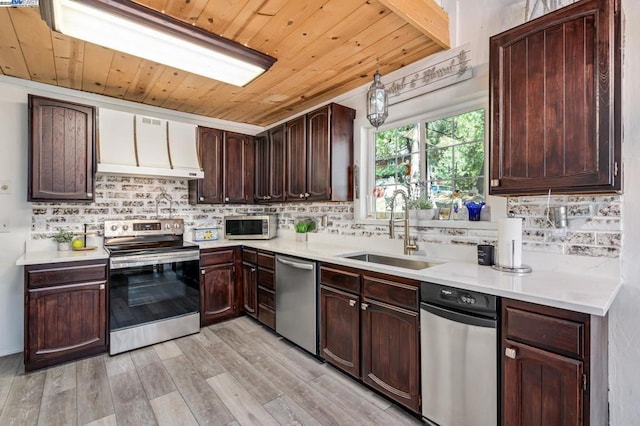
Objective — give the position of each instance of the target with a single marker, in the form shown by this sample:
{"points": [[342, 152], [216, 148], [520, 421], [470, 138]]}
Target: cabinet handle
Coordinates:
{"points": [[306, 194], [101, 286], [364, 306], [511, 353], [268, 197], [352, 302], [301, 196]]}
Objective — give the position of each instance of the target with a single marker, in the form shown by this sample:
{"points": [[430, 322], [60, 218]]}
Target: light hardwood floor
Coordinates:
{"points": [[233, 373]]}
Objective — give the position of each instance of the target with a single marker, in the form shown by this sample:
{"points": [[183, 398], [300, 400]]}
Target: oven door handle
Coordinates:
{"points": [[155, 259]]}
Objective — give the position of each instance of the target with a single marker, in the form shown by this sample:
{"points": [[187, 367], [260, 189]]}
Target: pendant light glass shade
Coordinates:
{"points": [[377, 102]]}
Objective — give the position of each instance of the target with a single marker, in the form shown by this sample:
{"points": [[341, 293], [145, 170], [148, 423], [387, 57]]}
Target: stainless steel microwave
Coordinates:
{"points": [[251, 227]]}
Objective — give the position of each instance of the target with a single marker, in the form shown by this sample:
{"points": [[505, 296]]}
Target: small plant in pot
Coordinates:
{"points": [[304, 226], [63, 238], [425, 209]]}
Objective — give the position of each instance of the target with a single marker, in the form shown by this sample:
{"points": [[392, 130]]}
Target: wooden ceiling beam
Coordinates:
{"points": [[424, 15]]}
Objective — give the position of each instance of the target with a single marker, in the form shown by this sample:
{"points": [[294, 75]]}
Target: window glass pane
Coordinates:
{"points": [[469, 159]]}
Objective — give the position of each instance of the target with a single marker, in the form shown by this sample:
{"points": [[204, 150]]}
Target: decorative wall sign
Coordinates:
{"points": [[444, 69]]}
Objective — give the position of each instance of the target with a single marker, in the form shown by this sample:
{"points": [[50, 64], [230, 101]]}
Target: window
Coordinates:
{"points": [[438, 160]]}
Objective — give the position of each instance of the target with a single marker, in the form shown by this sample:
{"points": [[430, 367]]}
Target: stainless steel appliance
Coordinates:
{"points": [[154, 291], [459, 356], [250, 227], [296, 301]]}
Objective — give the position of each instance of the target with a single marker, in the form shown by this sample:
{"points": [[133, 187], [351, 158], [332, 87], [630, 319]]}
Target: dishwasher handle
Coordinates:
{"points": [[460, 316], [297, 265]]}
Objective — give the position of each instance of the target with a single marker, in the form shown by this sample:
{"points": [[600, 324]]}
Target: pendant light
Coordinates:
{"points": [[377, 102]]}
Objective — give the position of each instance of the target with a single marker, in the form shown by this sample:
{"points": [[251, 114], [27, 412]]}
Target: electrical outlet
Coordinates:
{"points": [[5, 187]]}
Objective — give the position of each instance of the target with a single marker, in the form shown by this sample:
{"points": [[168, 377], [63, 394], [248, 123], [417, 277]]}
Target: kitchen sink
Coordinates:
{"points": [[399, 262]]}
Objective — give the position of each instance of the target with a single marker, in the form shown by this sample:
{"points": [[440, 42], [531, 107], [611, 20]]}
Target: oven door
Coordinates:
{"points": [[152, 299]]}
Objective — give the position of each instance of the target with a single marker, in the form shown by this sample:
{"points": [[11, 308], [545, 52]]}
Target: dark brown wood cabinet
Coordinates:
{"points": [[320, 155], [266, 288], [209, 189], [220, 292], [65, 312], [555, 102], [553, 366], [238, 168], [61, 150], [369, 328], [270, 156], [250, 282], [340, 329]]}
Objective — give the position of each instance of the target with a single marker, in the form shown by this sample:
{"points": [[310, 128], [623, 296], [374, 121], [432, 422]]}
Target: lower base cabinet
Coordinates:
{"points": [[220, 292], [369, 328], [65, 312], [554, 366], [258, 283]]}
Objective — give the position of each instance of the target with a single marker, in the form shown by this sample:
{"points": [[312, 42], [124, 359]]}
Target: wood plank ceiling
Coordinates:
{"points": [[323, 48]]}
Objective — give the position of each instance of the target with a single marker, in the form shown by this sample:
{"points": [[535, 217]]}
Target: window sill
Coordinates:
{"points": [[459, 224]]}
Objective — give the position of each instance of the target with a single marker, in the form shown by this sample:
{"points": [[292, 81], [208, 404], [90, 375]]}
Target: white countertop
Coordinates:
{"points": [[55, 256], [589, 286], [577, 291]]}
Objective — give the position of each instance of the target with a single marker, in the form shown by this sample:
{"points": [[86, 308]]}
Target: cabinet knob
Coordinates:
{"points": [[364, 306], [301, 195], [226, 198], [253, 269], [89, 194], [201, 198], [101, 286], [352, 302], [268, 197], [201, 271], [511, 353], [306, 194]]}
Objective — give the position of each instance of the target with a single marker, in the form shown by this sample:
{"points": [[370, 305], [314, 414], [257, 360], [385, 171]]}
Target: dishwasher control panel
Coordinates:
{"points": [[451, 297]]}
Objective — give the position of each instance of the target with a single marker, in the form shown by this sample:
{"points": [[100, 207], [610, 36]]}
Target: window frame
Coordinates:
{"points": [[368, 181]]}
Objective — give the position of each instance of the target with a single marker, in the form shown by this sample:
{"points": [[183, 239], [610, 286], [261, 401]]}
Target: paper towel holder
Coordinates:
{"points": [[518, 270]]}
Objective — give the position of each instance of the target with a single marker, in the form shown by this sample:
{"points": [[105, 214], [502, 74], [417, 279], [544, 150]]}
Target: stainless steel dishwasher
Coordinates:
{"points": [[459, 341], [296, 301]]}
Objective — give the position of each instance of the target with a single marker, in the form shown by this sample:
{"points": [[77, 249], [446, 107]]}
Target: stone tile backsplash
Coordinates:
{"points": [[594, 221]]}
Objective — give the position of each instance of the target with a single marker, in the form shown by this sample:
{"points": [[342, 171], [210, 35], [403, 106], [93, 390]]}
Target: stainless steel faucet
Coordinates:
{"points": [[409, 245]]}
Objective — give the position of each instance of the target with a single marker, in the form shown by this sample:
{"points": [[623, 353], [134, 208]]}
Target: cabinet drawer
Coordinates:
{"points": [[216, 256], [265, 278], [267, 260], [267, 316], [547, 332], [65, 273], [348, 280], [393, 290], [266, 298], [249, 255]]}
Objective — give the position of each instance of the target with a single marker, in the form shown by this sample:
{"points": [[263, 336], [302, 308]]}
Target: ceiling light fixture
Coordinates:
{"points": [[137, 30], [377, 102]]}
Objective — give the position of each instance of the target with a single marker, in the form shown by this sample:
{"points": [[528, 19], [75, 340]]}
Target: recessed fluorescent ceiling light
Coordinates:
{"points": [[134, 29]]}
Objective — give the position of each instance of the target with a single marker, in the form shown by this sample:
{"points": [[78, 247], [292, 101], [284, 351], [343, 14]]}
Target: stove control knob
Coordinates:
{"points": [[167, 225], [125, 227], [176, 225], [114, 227]]}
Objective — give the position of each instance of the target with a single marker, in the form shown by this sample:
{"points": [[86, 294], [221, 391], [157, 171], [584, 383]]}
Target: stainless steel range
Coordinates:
{"points": [[154, 291]]}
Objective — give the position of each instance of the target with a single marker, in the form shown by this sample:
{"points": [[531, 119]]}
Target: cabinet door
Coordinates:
{"points": [[64, 323], [540, 387], [340, 329], [277, 163], [319, 154], [209, 189], [250, 288], [217, 293], [238, 168], [262, 168], [61, 150], [555, 102], [390, 352], [296, 173]]}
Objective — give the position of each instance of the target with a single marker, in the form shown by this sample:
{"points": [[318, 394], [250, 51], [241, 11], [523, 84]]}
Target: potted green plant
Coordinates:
{"points": [[302, 227], [63, 238], [425, 209]]}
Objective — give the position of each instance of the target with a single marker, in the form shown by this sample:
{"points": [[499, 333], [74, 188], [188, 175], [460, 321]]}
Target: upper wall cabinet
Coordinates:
{"points": [[320, 155], [61, 150], [555, 102], [237, 166], [270, 158], [209, 189]]}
